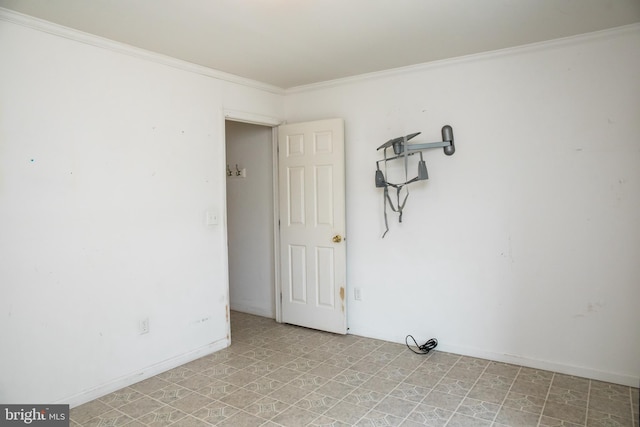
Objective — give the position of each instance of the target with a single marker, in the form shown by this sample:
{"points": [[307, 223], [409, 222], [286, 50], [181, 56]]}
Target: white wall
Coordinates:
{"points": [[108, 163], [250, 219], [524, 245]]}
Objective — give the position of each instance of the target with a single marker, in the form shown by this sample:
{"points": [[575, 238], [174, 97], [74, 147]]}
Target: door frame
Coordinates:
{"points": [[273, 123]]}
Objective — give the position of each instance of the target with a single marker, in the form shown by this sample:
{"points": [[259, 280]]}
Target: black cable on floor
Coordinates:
{"points": [[424, 348]]}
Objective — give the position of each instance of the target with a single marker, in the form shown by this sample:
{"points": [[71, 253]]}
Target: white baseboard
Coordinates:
{"points": [[578, 371], [251, 309], [143, 374]]}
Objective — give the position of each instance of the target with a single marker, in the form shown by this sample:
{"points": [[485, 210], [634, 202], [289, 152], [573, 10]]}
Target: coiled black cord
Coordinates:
{"points": [[424, 348]]}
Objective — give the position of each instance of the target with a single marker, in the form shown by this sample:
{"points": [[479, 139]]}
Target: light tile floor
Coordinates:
{"points": [[281, 375]]}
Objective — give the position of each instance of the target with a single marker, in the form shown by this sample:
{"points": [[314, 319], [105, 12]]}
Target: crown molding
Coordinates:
{"points": [[123, 48], [104, 43], [564, 41]]}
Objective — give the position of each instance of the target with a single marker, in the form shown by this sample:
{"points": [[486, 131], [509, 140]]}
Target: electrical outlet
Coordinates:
{"points": [[211, 218], [357, 294], [143, 327]]}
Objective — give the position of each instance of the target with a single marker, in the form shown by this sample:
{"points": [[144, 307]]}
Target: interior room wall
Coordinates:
{"points": [[250, 219], [109, 164], [524, 245]]}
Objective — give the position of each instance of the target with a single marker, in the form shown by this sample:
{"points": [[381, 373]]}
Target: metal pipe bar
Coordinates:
{"points": [[427, 145]]}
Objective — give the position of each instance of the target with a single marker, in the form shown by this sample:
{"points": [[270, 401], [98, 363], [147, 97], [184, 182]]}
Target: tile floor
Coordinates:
{"points": [[281, 375]]}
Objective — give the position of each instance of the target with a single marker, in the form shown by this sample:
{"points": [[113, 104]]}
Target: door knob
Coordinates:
{"points": [[337, 238]]}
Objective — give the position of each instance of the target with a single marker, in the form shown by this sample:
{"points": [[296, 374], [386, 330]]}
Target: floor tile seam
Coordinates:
{"points": [[147, 413], [213, 399], [365, 415], [585, 407], [175, 382], [507, 395], [436, 385], [335, 366], [310, 374], [288, 406], [252, 391], [291, 405], [345, 352], [413, 371], [116, 407], [187, 413], [421, 401], [273, 423], [357, 372], [333, 378], [330, 407], [466, 394], [93, 416], [284, 385], [319, 414], [190, 389], [152, 398], [559, 391], [239, 408], [546, 399], [387, 394], [396, 356], [373, 374], [170, 403], [493, 420], [632, 403], [390, 394], [359, 357], [100, 414], [279, 424], [365, 352], [342, 399]]}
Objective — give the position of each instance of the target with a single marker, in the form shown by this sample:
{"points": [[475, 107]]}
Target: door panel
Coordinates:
{"points": [[298, 274], [295, 196], [312, 209]]}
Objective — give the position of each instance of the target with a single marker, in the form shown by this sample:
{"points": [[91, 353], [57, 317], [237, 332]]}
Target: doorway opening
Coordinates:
{"points": [[305, 182], [250, 218]]}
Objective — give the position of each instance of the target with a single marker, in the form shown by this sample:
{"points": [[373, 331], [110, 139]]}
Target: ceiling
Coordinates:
{"points": [[289, 43]]}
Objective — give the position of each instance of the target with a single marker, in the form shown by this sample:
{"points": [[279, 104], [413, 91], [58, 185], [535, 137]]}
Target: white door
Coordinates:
{"points": [[312, 224]]}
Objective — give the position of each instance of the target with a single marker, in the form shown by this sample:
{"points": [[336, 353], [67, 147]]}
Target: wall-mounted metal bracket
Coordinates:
{"points": [[400, 144], [402, 150]]}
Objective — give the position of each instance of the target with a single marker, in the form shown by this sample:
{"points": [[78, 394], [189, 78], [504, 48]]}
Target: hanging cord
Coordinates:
{"points": [[386, 198], [398, 187], [424, 348], [405, 152]]}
